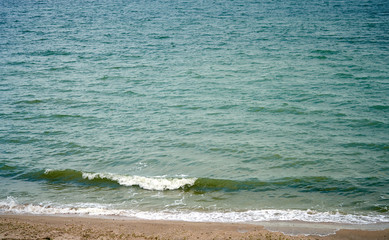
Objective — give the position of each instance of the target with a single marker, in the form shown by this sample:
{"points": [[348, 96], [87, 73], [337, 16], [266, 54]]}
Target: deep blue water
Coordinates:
{"points": [[238, 111]]}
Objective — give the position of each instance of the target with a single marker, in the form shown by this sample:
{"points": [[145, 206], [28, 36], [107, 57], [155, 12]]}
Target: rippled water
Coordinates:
{"points": [[236, 111]]}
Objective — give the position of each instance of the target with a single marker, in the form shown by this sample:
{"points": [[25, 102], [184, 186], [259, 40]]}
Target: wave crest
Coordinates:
{"points": [[148, 183]]}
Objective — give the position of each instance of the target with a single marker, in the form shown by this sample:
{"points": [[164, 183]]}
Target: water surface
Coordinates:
{"points": [[232, 111]]}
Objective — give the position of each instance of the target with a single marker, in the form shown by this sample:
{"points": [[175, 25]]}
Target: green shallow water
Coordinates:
{"points": [[196, 107]]}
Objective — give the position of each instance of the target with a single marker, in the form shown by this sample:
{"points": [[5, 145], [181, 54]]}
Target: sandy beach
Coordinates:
{"points": [[58, 227]]}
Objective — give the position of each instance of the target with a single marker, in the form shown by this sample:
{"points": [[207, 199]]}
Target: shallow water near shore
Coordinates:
{"points": [[298, 228], [228, 111]]}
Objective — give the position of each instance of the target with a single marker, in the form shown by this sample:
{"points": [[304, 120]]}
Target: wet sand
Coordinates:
{"points": [[59, 227]]}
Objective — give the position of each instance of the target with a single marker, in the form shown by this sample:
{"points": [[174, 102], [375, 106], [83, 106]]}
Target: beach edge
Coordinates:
{"points": [[79, 227]]}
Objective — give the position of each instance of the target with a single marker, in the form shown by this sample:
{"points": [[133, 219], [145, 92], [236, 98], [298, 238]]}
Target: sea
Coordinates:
{"points": [[237, 111]]}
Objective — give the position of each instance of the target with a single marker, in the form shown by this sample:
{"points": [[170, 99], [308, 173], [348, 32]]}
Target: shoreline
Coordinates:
{"points": [[86, 227]]}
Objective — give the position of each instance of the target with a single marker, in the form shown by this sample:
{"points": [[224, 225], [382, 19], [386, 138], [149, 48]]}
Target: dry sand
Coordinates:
{"points": [[55, 227]]}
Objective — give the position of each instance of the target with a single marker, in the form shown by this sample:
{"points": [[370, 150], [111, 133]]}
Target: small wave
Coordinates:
{"points": [[285, 109], [380, 107], [371, 146], [66, 116], [50, 53], [109, 179], [364, 122], [11, 205], [195, 185], [303, 184], [8, 170], [344, 75], [325, 52], [34, 101]]}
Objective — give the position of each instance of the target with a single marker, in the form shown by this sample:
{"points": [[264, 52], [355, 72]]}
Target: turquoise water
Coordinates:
{"points": [[231, 111]]}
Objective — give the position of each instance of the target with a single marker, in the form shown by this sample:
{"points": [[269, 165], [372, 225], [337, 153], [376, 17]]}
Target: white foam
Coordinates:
{"points": [[265, 216], [11, 205], [148, 183]]}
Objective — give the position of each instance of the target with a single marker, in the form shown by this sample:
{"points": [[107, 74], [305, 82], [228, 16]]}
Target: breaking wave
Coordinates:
{"points": [[111, 180], [155, 183]]}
